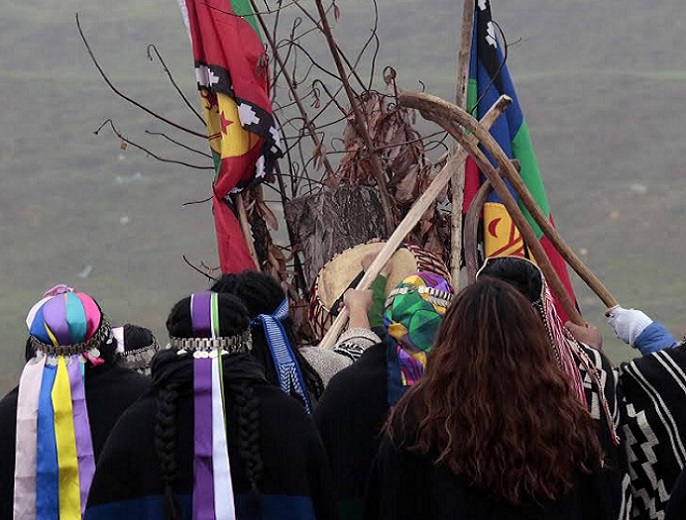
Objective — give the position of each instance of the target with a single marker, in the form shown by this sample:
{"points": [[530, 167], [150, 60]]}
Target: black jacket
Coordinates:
{"points": [[350, 417], [110, 390], [295, 482]]}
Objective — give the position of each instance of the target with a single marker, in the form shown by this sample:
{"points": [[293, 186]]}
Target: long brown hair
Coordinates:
{"points": [[494, 405]]}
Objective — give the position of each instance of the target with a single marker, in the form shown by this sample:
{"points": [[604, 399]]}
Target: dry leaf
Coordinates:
{"points": [[268, 216], [317, 154], [124, 145], [336, 12]]}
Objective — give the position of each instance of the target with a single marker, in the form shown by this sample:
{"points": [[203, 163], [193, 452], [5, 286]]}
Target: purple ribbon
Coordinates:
{"points": [[55, 317], [82, 430], [201, 314], [203, 474]]}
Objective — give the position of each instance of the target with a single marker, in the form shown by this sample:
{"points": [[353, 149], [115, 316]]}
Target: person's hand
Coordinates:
{"points": [[369, 257], [628, 324], [358, 301], [588, 334]]}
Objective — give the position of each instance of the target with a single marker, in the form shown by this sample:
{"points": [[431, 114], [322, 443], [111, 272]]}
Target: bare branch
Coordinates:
{"points": [[179, 143], [124, 96], [142, 148], [173, 82]]}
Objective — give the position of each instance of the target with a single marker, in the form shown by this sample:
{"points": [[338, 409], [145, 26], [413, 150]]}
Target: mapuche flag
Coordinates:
{"points": [[232, 75], [488, 80]]}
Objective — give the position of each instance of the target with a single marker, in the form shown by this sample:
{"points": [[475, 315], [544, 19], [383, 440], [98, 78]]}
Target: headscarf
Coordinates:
{"points": [[136, 346], [413, 314], [568, 352], [213, 495], [54, 463]]}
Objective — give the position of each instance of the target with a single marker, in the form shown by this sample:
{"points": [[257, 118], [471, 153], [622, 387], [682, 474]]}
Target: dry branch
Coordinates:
{"points": [[413, 216]]}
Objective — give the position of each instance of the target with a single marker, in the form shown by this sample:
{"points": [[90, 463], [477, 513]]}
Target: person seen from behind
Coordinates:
{"points": [[494, 429]]}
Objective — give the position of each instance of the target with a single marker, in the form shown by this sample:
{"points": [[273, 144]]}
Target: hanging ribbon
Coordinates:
{"points": [[65, 438], [27, 437], [82, 430], [224, 505], [201, 314], [203, 487], [47, 470], [287, 368], [203, 469]]}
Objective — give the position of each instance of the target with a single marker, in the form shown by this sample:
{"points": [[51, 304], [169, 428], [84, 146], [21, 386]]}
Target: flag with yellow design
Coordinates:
{"points": [[232, 75], [488, 80]]}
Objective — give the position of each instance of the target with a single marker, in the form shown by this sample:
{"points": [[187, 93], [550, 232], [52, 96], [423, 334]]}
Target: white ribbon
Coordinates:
{"points": [[27, 430], [224, 505]]}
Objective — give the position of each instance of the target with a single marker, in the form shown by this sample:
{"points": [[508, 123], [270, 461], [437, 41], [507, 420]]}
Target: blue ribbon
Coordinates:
{"points": [[47, 469], [287, 368]]}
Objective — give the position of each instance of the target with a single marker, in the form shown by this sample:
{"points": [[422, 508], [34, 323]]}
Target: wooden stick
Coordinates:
{"points": [[471, 230], [434, 104], [359, 120], [458, 179], [471, 227], [527, 232], [410, 221], [245, 227]]}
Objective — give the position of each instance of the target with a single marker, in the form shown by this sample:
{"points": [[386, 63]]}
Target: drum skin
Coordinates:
{"points": [[337, 275]]}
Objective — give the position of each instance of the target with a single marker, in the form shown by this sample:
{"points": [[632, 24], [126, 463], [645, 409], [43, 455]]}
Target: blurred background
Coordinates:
{"points": [[601, 83]]}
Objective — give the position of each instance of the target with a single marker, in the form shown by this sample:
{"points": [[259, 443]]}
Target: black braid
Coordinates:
{"points": [[166, 437], [249, 436]]}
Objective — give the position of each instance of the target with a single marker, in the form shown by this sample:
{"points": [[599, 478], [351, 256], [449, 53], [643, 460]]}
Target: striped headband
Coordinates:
{"points": [[54, 451], [287, 367]]}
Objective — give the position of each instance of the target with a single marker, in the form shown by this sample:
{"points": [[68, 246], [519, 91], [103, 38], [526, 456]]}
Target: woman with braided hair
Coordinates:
{"points": [[213, 439]]}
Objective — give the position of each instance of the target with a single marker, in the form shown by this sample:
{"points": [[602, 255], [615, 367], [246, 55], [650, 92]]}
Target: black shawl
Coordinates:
{"points": [[407, 486], [110, 390], [350, 416], [294, 478]]}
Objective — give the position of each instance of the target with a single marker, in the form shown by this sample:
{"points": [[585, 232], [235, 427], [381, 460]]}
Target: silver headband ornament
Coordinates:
{"points": [[89, 348], [211, 347]]}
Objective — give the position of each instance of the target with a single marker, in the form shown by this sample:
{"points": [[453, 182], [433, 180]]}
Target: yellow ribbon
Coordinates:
{"points": [[69, 489]]}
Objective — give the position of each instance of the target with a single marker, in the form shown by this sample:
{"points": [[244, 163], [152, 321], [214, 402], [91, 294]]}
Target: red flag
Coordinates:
{"points": [[232, 76]]}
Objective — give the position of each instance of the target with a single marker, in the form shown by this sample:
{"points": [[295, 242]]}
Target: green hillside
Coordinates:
{"points": [[601, 84]]}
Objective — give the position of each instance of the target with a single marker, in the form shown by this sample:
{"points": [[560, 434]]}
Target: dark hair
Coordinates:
{"points": [[523, 275], [137, 337], [262, 294], [233, 319], [494, 405]]}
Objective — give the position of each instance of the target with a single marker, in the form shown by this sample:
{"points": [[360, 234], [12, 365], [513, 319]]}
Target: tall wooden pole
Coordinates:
{"points": [[413, 216], [245, 228], [450, 114], [458, 179]]}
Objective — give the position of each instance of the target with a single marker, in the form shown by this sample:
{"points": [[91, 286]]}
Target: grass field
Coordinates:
{"points": [[601, 83]]}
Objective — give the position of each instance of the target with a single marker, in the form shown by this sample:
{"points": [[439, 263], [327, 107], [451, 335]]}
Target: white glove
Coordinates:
{"points": [[628, 324]]}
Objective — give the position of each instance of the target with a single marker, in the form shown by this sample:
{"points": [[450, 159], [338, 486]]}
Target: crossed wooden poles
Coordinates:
{"points": [[469, 134]]}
